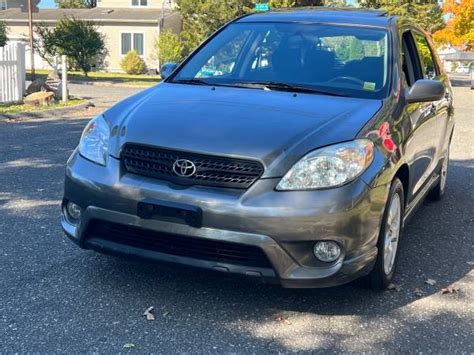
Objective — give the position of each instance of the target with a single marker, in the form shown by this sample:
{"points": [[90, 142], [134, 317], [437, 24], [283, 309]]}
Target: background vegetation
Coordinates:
{"points": [[3, 34], [133, 64], [203, 17], [77, 39]]}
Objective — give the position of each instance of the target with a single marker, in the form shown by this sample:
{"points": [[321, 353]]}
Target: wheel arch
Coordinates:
{"points": [[403, 173]]}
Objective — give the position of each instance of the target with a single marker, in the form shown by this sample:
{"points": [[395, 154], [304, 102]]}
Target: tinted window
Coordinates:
{"points": [[426, 57], [349, 60]]}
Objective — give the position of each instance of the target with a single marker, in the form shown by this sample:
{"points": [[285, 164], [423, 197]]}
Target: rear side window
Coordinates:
{"points": [[426, 56]]}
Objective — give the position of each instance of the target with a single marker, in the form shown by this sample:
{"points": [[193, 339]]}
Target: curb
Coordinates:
{"points": [[47, 113], [111, 84]]}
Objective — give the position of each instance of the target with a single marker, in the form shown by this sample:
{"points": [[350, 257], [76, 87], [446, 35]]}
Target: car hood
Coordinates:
{"points": [[274, 127]]}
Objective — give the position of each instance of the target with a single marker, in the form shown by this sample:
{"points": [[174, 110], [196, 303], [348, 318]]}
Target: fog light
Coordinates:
{"points": [[73, 210], [327, 251]]}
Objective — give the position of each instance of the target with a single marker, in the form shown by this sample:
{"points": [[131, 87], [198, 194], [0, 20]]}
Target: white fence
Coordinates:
{"points": [[12, 72]]}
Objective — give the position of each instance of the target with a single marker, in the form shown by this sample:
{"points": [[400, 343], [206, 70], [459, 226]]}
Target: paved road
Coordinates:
{"points": [[102, 96], [57, 298]]}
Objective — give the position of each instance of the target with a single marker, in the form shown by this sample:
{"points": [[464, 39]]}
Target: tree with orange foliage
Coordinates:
{"points": [[459, 30]]}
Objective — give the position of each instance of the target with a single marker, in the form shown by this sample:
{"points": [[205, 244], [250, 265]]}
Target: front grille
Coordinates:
{"points": [[179, 245], [210, 170]]}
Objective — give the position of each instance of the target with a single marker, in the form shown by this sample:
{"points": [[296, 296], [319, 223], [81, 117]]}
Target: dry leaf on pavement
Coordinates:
{"points": [[449, 290], [281, 318], [149, 313], [395, 287], [129, 346], [430, 282], [418, 292]]}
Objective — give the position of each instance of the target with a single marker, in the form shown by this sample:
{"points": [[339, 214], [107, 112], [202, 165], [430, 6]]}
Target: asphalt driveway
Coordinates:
{"points": [[55, 297]]}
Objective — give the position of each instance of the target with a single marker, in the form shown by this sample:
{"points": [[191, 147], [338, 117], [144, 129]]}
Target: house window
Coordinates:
{"points": [[132, 41], [139, 2], [3, 4]]}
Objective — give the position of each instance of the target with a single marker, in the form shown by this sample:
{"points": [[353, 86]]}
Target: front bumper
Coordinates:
{"points": [[284, 225]]}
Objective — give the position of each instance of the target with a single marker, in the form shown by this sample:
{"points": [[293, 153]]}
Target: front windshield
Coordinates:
{"points": [[332, 59]]}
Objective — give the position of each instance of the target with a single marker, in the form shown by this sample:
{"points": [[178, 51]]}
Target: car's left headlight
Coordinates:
{"points": [[94, 144], [328, 167]]}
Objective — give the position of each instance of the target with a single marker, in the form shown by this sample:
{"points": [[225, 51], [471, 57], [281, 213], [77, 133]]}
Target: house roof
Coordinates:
{"points": [[98, 14], [459, 56]]}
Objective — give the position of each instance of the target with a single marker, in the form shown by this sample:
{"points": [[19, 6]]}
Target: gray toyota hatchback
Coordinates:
{"points": [[291, 147]]}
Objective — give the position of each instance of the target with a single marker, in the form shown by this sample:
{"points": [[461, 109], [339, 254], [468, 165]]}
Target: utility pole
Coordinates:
{"points": [[32, 50], [162, 21], [162, 25]]}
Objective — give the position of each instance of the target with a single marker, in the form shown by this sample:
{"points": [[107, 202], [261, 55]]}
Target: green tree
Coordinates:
{"points": [[3, 34], [44, 44], [75, 4], [203, 17], [169, 47], [426, 13], [79, 40]]}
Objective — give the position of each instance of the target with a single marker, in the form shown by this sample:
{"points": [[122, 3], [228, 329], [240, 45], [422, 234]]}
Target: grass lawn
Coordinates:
{"points": [[115, 78], [17, 108]]}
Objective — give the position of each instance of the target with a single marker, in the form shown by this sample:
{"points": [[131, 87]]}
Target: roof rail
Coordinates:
{"points": [[359, 10]]}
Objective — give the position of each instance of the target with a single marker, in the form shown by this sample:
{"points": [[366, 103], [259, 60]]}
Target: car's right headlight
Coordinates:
{"points": [[331, 166], [94, 144]]}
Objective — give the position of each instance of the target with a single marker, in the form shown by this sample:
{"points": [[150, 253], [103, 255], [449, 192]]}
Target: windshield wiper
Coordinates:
{"points": [[274, 85], [193, 81]]}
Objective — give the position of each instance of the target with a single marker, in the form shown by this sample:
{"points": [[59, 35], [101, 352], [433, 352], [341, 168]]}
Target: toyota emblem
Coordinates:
{"points": [[184, 168]]}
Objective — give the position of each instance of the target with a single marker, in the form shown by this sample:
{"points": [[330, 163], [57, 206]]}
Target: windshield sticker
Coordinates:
{"points": [[369, 86]]}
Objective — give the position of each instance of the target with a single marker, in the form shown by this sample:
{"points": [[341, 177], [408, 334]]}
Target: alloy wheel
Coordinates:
{"points": [[392, 233], [444, 173]]}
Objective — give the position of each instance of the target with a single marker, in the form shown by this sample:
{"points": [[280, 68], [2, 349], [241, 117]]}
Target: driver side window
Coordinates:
{"points": [[411, 62], [426, 56]]}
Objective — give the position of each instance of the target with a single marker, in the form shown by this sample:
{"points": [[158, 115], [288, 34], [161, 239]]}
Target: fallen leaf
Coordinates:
{"points": [[281, 318], [430, 282], [395, 287], [450, 290], [149, 313], [129, 346], [418, 292]]}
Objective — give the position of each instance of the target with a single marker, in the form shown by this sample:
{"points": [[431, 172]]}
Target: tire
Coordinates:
{"points": [[439, 190], [386, 263]]}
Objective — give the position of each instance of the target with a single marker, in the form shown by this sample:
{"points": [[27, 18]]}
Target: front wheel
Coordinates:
{"points": [[390, 232]]}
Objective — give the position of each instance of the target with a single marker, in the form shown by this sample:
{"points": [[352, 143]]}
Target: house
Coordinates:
{"points": [[125, 24], [455, 58]]}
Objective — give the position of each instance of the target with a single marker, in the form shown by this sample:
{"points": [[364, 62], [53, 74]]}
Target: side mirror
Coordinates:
{"points": [[167, 69], [425, 91]]}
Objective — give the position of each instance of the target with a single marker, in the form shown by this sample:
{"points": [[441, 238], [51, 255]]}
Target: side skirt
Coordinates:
{"points": [[416, 202]]}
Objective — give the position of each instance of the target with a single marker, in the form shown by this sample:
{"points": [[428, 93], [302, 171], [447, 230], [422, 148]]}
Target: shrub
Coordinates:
{"points": [[170, 48], [132, 63]]}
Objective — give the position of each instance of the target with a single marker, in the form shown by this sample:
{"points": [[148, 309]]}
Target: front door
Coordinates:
{"points": [[427, 119]]}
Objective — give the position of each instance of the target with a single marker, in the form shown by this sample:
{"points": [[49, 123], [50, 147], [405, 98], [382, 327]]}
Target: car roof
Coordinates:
{"points": [[349, 16]]}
